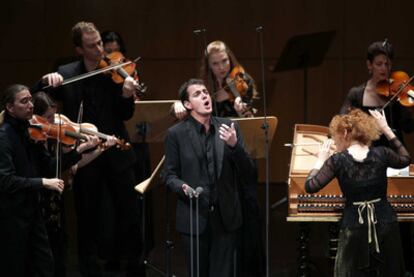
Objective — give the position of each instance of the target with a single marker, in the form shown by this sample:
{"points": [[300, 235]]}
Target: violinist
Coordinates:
{"points": [[379, 62], [222, 72], [113, 46], [100, 101], [25, 170], [112, 42], [366, 96], [52, 205]]}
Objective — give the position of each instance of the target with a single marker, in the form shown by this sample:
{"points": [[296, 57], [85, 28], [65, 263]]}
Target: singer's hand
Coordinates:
{"points": [[187, 189], [228, 134]]}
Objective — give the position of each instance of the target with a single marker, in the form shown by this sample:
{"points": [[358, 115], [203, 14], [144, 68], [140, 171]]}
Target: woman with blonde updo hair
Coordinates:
{"points": [[218, 63], [369, 238]]}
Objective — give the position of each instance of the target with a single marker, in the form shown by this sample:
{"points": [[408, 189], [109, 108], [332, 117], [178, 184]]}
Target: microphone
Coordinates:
{"points": [[193, 193], [385, 43], [259, 28], [198, 31], [198, 191]]}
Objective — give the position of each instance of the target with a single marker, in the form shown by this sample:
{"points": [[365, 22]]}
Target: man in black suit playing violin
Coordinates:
{"points": [[106, 105]]}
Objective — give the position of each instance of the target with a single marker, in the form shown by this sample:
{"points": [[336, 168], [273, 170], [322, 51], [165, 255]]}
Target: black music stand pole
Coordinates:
{"points": [[303, 52]]}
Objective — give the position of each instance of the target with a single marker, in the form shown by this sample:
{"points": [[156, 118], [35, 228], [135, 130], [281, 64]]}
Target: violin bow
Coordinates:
{"points": [[94, 72]]}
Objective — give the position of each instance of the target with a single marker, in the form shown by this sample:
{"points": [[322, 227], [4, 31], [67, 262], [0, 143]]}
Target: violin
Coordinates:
{"points": [[90, 129], [235, 85], [397, 87], [119, 74], [40, 130]]}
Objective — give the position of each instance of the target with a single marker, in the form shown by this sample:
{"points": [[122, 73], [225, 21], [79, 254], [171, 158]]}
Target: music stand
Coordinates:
{"points": [[250, 128], [154, 180], [303, 52], [150, 121], [149, 124]]}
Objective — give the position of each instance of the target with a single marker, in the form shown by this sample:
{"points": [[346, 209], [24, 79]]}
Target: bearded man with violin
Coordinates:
{"points": [[376, 93], [106, 104], [25, 167]]}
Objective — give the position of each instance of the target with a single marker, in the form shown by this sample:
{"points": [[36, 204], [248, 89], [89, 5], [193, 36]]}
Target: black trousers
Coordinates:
{"points": [[125, 239], [24, 248], [217, 249]]}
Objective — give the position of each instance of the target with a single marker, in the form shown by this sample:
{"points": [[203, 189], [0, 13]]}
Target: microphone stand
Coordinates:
{"points": [[197, 193], [265, 127], [210, 81], [190, 195]]}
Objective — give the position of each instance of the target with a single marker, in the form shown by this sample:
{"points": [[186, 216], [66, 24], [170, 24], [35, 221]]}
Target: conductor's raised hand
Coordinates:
{"points": [[228, 134], [325, 150], [382, 123], [53, 79], [380, 119]]}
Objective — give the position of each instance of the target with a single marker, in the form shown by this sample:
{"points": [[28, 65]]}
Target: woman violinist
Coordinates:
{"points": [[366, 96], [232, 88]]}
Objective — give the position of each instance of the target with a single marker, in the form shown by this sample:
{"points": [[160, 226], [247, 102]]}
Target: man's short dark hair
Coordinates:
{"points": [[79, 29], [183, 93]]}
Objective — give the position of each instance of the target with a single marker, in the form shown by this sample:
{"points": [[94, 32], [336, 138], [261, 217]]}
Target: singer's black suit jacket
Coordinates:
{"points": [[183, 154]]}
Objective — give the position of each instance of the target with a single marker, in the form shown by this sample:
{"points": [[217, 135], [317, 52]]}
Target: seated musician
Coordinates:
{"points": [[369, 239]]}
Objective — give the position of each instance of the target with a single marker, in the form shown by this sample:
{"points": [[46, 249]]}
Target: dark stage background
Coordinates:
{"points": [[36, 33]]}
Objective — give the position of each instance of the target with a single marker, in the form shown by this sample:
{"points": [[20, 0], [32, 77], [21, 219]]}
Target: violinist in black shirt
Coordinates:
{"points": [[25, 170], [106, 105]]}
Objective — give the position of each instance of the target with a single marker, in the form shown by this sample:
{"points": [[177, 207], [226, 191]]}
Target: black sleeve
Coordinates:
{"points": [[317, 179], [124, 106], [9, 182], [406, 120], [398, 157], [172, 166], [244, 164]]}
